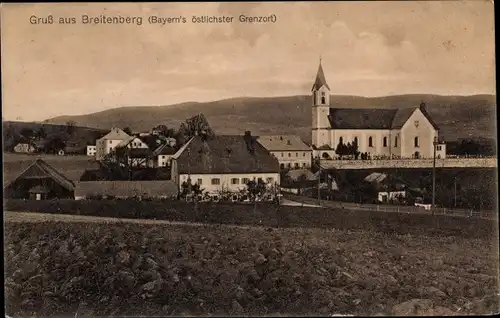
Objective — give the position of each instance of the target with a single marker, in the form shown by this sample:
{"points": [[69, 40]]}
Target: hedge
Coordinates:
{"points": [[265, 214]]}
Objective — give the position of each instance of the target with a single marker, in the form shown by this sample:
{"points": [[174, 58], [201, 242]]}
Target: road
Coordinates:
{"points": [[294, 203]]}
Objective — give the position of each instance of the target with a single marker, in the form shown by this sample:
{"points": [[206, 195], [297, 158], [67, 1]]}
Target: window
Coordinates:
{"points": [[289, 154], [282, 154], [235, 181], [385, 141], [356, 140], [163, 157], [269, 180], [341, 140], [199, 181], [296, 154], [395, 141], [323, 99], [110, 142], [245, 180], [370, 141], [282, 166], [304, 154], [288, 142], [416, 142], [438, 148], [215, 181], [296, 165], [289, 165]]}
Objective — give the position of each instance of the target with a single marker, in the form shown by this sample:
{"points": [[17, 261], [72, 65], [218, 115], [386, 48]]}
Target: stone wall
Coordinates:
{"points": [[410, 163]]}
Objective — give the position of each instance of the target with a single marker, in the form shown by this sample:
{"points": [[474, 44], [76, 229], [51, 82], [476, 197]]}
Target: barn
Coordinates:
{"points": [[40, 181]]}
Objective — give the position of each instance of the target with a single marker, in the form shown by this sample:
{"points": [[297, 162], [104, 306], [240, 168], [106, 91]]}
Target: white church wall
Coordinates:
{"points": [[418, 126]]}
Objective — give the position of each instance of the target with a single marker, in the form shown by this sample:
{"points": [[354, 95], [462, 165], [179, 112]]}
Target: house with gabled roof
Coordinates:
{"points": [[224, 163], [40, 181], [108, 143], [379, 132], [163, 155], [290, 150]]}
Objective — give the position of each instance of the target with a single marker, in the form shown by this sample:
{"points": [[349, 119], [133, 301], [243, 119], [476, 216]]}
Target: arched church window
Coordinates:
{"points": [[323, 100], [385, 141], [416, 142], [395, 141], [370, 141], [356, 140]]}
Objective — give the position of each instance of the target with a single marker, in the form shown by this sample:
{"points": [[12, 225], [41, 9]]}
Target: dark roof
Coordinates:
{"points": [[320, 79], [225, 154], [378, 118], [164, 149], [41, 169], [161, 188], [139, 152]]}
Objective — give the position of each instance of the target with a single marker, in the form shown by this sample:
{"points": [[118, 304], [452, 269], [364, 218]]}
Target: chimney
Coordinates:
{"points": [[249, 141], [423, 106]]}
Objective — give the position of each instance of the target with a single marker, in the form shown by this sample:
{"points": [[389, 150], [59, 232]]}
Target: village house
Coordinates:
{"points": [[108, 143], [290, 150], [40, 181], [224, 164], [163, 155], [158, 189], [380, 132], [91, 150], [25, 145], [389, 189]]}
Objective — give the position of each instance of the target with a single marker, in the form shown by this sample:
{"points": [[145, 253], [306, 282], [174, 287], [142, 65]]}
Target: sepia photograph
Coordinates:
{"points": [[240, 159]]}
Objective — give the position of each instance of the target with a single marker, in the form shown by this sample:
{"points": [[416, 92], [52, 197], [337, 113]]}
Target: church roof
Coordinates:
{"points": [[320, 79], [378, 118]]}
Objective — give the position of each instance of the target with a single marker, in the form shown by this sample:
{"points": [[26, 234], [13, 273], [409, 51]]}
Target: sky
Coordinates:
{"points": [[367, 49]]}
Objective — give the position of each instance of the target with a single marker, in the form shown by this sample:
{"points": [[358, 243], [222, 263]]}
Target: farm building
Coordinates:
{"points": [[125, 189], [224, 163], [40, 181]]}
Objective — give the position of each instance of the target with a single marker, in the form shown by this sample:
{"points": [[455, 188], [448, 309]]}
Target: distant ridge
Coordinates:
{"points": [[458, 116]]}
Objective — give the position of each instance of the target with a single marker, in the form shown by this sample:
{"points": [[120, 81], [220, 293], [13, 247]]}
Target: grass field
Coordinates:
{"points": [[66, 267]]}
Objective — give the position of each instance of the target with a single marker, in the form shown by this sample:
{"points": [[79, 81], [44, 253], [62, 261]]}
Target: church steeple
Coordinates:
{"points": [[320, 79]]}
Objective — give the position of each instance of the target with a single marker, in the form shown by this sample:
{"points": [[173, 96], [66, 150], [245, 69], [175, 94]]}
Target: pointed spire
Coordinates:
{"points": [[320, 78]]}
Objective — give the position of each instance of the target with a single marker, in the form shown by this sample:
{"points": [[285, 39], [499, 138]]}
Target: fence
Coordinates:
{"points": [[395, 208]]}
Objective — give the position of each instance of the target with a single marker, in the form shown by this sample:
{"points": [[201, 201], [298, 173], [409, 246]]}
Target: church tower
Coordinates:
{"points": [[320, 110]]}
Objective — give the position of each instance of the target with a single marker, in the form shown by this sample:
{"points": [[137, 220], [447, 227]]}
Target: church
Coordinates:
{"points": [[382, 133]]}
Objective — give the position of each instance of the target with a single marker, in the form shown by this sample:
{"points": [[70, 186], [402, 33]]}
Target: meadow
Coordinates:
{"points": [[64, 266]]}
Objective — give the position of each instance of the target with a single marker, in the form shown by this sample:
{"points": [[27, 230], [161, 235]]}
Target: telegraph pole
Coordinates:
{"points": [[319, 182], [455, 192], [434, 175]]}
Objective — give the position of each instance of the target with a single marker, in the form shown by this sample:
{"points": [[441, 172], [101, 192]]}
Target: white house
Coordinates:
{"points": [[109, 142], [290, 150], [224, 164], [91, 150], [163, 155], [380, 132]]}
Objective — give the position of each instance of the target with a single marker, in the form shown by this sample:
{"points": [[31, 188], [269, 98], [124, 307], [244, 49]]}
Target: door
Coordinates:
{"points": [[38, 196]]}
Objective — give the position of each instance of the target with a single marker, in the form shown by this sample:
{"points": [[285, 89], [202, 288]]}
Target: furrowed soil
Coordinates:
{"points": [[104, 268]]}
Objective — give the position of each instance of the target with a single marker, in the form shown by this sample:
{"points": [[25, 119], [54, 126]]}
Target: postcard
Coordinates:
{"points": [[250, 159]]}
